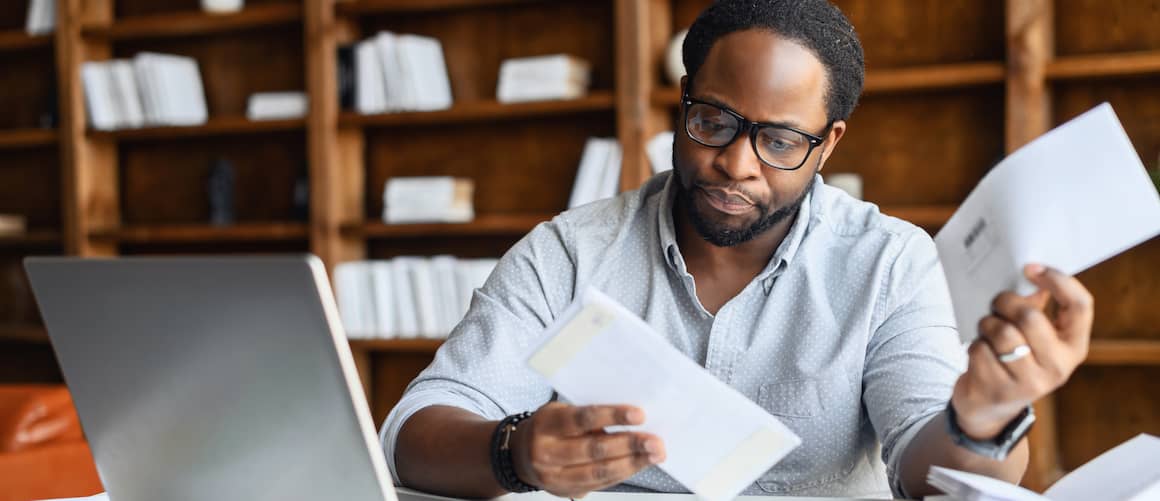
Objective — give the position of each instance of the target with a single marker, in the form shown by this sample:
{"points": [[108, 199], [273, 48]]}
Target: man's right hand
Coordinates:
{"points": [[564, 449]]}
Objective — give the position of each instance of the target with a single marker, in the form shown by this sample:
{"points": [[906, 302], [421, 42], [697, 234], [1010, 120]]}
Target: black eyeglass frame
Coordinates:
{"points": [[751, 128]]}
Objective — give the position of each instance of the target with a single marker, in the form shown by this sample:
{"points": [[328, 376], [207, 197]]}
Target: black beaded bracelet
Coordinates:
{"points": [[501, 455]]}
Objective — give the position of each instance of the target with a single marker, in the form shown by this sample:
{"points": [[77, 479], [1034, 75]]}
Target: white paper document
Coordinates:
{"points": [[717, 441], [1072, 198]]}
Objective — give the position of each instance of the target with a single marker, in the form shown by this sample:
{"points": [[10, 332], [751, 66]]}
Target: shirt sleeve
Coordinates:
{"points": [[914, 355], [480, 368]]}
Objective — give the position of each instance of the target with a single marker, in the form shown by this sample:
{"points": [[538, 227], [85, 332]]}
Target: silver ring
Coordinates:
{"points": [[1015, 354]]}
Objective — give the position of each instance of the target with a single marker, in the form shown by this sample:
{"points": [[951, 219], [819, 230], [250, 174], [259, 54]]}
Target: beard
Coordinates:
{"points": [[721, 235]]}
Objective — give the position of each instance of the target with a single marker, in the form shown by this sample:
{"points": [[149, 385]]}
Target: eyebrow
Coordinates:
{"points": [[718, 102]]}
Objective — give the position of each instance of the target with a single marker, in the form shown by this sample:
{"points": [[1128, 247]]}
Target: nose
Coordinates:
{"points": [[738, 161]]}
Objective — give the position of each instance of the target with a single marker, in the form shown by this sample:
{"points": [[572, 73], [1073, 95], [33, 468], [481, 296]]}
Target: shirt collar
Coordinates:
{"points": [[807, 214]]}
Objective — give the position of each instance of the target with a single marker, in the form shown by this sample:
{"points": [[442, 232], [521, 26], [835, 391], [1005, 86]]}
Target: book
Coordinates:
{"points": [[428, 199], [276, 105], [383, 299], [541, 78], [96, 81], [598, 175], [370, 94], [660, 151], [398, 72], [1127, 472], [41, 17], [353, 289], [405, 304]]}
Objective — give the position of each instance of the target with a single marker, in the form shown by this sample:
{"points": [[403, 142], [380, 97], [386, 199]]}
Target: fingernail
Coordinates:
{"points": [[635, 416], [651, 446], [1035, 269], [656, 458]]}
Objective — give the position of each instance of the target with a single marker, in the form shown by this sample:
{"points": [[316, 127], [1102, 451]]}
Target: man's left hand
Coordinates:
{"points": [[993, 392]]}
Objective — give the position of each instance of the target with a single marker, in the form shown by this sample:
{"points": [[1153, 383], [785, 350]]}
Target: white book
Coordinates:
{"points": [[41, 17], [438, 82], [660, 151], [349, 280], [411, 64], [610, 173], [125, 81], [187, 91], [423, 285], [98, 98], [435, 199], [277, 105], [407, 315], [447, 304], [391, 70], [558, 76], [384, 299], [589, 173], [370, 93], [1127, 472], [145, 87]]}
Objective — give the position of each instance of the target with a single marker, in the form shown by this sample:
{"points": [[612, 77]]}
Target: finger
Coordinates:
{"points": [[571, 421], [1004, 337], [599, 446], [601, 474], [1026, 312], [986, 375], [1074, 318]]}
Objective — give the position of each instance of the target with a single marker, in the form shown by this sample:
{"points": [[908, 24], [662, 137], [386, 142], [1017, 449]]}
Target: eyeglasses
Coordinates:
{"points": [[777, 146]]}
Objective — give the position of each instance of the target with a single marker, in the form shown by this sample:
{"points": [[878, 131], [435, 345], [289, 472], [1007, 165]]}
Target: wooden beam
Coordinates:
{"points": [[1102, 66]]}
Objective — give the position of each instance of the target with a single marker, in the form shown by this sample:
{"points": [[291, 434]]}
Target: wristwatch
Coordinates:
{"points": [[501, 455], [998, 447]]}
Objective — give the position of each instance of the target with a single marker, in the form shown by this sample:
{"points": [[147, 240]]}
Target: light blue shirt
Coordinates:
{"points": [[847, 336]]}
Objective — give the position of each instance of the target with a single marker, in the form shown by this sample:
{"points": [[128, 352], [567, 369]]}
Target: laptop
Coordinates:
{"points": [[212, 378]]}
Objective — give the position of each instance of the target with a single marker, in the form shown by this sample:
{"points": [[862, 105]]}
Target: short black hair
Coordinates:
{"points": [[816, 24]]}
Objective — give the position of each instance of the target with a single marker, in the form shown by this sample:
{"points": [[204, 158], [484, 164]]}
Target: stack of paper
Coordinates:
{"points": [[400, 73], [717, 441], [1074, 197], [543, 78], [407, 297], [276, 105], [598, 176], [423, 199], [1127, 472], [41, 17], [152, 89]]}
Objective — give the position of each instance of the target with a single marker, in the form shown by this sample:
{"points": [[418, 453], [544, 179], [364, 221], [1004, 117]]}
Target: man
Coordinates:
{"points": [[831, 316]]}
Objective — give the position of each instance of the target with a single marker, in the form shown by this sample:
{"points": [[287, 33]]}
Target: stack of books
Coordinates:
{"points": [[149, 90], [433, 199], [277, 105], [12, 225], [41, 19], [395, 72], [598, 176], [543, 78], [407, 297]]}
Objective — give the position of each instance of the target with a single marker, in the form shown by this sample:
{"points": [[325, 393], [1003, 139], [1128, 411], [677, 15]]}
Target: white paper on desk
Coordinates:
{"points": [[98, 497], [717, 441], [1127, 472], [1071, 198]]}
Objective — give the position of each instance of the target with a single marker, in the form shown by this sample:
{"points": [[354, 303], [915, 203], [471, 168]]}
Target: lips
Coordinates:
{"points": [[726, 201]]}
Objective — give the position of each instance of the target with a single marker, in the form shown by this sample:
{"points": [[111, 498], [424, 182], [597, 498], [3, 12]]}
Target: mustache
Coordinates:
{"points": [[728, 187]]}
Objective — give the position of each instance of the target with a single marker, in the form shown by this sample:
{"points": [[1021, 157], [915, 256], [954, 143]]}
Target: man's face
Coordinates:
{"points": [[729, 195]]}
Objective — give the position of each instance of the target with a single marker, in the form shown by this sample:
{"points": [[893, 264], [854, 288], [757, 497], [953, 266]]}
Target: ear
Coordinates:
{"points": [[836, 132]]}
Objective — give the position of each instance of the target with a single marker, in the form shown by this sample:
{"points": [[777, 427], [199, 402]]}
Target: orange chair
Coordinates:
{"points": [[42, 451]]}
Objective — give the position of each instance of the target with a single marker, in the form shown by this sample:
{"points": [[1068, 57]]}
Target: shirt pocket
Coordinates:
{"points": [[793, 398]]}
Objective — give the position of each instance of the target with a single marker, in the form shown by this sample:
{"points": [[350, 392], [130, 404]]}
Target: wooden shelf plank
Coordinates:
{"points": [[423, 345], [893, 80], [925, 216], [356, 7], [485, 225], [29, 333], [1123, 352], [33, 239], [197, 233], [216, 126], [26, 138], [1105, 65], [196, 23], [20, 40], [483, 111]]}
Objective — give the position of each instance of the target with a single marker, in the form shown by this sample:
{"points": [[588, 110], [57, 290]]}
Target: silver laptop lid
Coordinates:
{"points": [[212, 378]]}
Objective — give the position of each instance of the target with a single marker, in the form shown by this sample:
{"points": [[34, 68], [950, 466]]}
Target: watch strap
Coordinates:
{"points": [[997, 448], [501, 455]]}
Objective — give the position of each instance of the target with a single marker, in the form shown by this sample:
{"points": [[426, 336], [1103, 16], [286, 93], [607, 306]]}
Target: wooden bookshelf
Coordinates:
{"points": [[12, 40], [1105, 66], [362, 7], [215, 126], [196, 233], [425, 346], [930, 217], [483, 111], [1118, 352], [27, 138], [183, 24], [485, 225], [35, 239], [23, 333]]}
